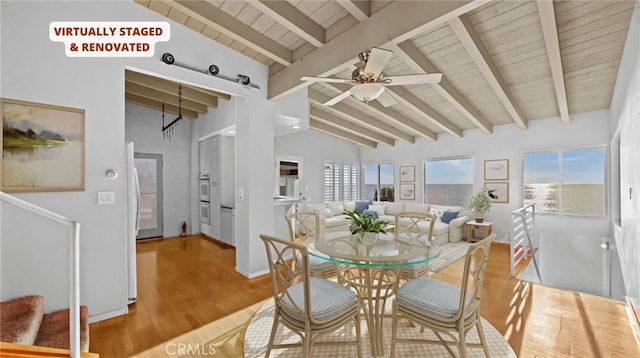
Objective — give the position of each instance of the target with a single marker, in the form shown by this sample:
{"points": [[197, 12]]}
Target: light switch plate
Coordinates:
{"points": [[106, 197]]}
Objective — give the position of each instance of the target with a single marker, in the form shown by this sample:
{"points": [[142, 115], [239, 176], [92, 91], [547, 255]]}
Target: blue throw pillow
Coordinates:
{"points": [[362, 205], [449, 215], [371, 212]]}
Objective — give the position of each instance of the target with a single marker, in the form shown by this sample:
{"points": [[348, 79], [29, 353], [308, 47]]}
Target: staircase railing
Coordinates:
{"points": [[522, 240], [74, 264]]}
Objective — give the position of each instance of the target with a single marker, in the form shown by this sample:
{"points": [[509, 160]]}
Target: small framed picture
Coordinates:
{"points": [[408, 173], [496, 169], [407, 191], [498, 191]]}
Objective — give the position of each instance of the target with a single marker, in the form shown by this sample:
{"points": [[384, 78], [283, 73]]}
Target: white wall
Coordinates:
{"points": [[506, 142], [143, 127], [36, 69]]}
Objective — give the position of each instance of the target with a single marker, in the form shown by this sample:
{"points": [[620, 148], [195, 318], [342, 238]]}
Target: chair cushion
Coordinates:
{"points": [[328, 298], [433, 297]]}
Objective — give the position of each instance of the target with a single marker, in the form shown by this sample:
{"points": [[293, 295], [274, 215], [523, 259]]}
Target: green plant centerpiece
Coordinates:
{"points": [[366, 226], [480, 203]]}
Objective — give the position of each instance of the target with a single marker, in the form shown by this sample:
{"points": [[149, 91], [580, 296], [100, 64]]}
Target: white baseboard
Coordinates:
{"points": [[107, 315], [252, 275]]}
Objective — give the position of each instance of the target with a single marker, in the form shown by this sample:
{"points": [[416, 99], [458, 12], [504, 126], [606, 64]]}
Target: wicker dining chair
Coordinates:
{"points": [[419, 227], [445, 308], [303, 225], [308, 306]]}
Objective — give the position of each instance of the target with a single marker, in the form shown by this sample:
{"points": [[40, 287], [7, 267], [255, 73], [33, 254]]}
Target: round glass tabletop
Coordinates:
{"points": [[344, 248]]}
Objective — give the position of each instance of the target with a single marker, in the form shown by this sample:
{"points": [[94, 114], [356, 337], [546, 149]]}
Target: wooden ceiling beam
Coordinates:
{"points": [[550, 33], [170, 87], [404, 96], [414, 59], [236, 29], [468, 36], [350, 126], [295, 21], [150, 103], [169, 98], [341, 51], [333, 131], [359, 9], [373, 123]]}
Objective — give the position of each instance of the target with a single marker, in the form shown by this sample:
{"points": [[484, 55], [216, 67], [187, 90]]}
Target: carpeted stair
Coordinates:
{"points": [[23, 321]]}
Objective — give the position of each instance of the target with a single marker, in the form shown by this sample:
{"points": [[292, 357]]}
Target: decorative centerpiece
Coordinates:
{"points": [[366, 226], [480, 204]]}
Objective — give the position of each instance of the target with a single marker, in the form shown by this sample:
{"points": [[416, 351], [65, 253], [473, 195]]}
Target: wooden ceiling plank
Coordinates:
{"points": [[412, 56], [170, 87], [327, 129], [550, 32], [319, 98], [417, 17], [150, 103], [473, 44], [359, 9], [294, 20], [404, 96], [350, 126], [239, 31], [170, 98]]}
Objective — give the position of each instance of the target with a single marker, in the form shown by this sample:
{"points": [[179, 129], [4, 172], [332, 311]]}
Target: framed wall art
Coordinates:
{"points": [[407, 191], [496, 169], [42, 147], [498, 191], [408, 173]]}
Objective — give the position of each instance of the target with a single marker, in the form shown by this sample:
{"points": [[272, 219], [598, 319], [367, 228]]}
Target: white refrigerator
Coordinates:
{"points": [[132, 201]]}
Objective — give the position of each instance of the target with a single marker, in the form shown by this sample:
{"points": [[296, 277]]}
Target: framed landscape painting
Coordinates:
{"points": [[408, 173], [407, 192], [498, 191], [496, 169], [42, 147]]}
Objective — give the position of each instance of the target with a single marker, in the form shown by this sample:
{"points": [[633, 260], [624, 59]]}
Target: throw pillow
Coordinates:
{"points": [[371, 212], [449, 215], [362, 205], [437, 212], [377, 208], [325, 213], [335, 207]]}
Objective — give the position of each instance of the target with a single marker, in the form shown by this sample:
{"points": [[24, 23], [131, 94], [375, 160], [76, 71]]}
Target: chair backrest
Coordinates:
{"points": [[475, 265], [283, 276], [302, 224], [417, 225]]}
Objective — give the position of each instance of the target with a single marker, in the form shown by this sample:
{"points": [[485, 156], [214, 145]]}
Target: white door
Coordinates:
{"points": [[149, 167]]}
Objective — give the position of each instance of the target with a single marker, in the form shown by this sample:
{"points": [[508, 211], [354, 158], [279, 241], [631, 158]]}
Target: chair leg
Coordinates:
{"points": [[462, 341], [485, 347], [358, 336], [394, 328], [306, 344], [272, 336]]}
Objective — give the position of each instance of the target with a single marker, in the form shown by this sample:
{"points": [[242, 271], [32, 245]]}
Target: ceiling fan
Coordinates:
{"points": [[368, 81]]}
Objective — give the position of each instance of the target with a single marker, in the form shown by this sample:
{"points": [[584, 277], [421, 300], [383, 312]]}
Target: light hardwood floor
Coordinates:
{"points": [[182, 287]]}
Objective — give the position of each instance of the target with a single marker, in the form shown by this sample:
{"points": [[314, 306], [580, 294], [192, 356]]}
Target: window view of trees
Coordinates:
{"points": [[379, 182]]}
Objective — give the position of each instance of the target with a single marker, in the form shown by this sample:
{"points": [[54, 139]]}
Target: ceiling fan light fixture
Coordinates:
{"points": [[367, 91]]}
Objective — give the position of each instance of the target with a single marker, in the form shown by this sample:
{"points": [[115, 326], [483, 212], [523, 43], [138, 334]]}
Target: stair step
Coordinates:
{"points": [[20, 319], [54, 330]]}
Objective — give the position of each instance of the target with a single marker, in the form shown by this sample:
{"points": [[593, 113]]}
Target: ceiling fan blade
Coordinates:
{"points": [[413, 79], [386, 100], [325, 79], [338, 98], [378, 58]]}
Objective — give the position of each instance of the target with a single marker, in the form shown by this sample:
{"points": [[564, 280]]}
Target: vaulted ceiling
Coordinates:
{"points": [[503, 62]]}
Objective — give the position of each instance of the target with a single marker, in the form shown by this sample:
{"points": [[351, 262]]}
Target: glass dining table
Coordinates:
{"points": [[372, 269]]}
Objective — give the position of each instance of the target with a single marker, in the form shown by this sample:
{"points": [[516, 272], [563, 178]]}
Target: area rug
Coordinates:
{"points": [[257, 336], [450, 252]]}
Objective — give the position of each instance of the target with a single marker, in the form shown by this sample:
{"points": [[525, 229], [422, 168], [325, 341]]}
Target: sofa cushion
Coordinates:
{"points": [[393, 208], [449, 215], [349, 205], [308, 208], [325, 213], [445, 208], [334, 221], [416, 208], [335, 207], [377, 208], [362, 205]]}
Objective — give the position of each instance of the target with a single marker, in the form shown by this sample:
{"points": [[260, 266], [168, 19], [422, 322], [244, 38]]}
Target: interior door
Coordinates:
{"points": [[149, 167]]}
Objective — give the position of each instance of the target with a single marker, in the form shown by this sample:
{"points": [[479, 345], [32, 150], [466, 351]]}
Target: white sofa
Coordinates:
{"points": [[332, 219]]}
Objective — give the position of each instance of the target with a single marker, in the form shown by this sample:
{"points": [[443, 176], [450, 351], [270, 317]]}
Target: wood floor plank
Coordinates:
{"points": [[536, 320]]}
